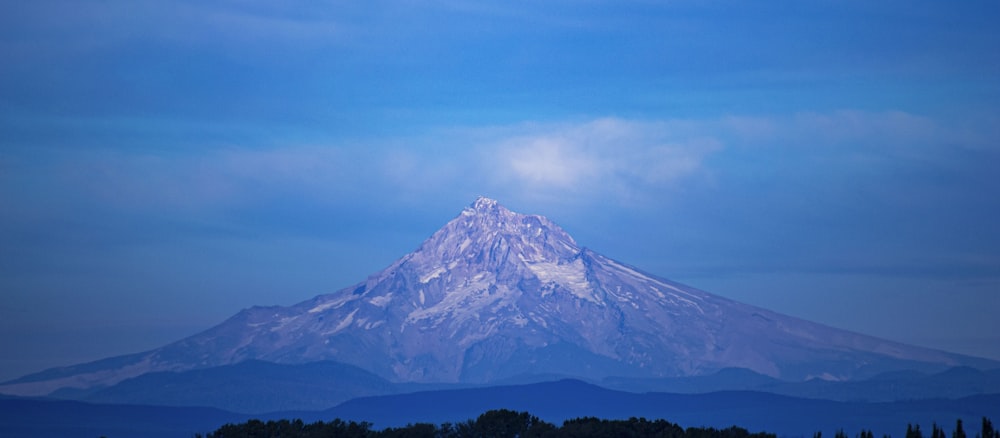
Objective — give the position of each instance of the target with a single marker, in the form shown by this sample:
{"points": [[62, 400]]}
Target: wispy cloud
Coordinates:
{"points": [[600, 158], [211, 179], [40, 28], [592, 162]]}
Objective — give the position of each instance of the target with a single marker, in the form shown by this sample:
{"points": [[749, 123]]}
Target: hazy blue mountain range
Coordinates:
{"points": [[494, 295], [891, 386], [551, 401], [256, 387], [756, 411]]}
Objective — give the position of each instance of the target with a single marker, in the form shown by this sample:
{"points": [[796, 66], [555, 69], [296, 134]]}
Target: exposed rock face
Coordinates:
{"points": [[496, 294]]}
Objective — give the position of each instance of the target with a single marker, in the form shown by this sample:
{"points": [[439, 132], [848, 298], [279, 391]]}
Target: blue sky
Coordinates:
{"points": [[166, 164]]}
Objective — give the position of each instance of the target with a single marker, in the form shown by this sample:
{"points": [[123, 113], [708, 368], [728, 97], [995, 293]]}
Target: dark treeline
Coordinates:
{"points": [[506, 423], [496, 423], [987, 431]]}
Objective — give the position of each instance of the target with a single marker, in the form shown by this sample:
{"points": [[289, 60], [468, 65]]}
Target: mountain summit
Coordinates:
{"points": [[489, 237], [495, 294]]}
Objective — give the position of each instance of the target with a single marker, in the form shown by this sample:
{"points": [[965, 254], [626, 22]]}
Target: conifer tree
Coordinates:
{"points": [[937, 432]]}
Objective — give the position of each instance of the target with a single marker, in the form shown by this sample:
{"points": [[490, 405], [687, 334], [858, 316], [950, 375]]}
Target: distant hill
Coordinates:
{"points": [[551, 401], [893, 386], [256, 387], [250, 387], [756, 411]]}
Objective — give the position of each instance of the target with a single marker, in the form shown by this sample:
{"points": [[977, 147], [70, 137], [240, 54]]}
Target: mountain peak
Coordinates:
{"points": [[487, 226], [485, 205], [490, 212]]}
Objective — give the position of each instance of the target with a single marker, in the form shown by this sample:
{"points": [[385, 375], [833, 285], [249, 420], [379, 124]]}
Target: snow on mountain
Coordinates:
{"points": [[495, 294]]}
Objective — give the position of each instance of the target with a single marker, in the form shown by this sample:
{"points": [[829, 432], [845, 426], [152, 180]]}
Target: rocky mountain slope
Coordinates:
{"points": [[496, 294]]}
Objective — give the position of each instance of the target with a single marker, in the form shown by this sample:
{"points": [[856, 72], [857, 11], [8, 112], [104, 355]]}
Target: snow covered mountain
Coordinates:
{"points": [[496, 294]]}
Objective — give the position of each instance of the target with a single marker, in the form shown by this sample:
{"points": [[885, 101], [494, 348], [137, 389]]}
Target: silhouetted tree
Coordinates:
{"points": [[959, 432], [295, 428], [987, 431], [419, 430], [937, 432], [507, 423]]}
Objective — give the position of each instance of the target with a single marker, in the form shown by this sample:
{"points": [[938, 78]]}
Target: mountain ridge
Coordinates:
{"points": [[255, 387], [551, 401], [571, 398]]}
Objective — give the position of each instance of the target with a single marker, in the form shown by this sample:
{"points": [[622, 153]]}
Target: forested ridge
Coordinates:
{"points": [[508, 423]]}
